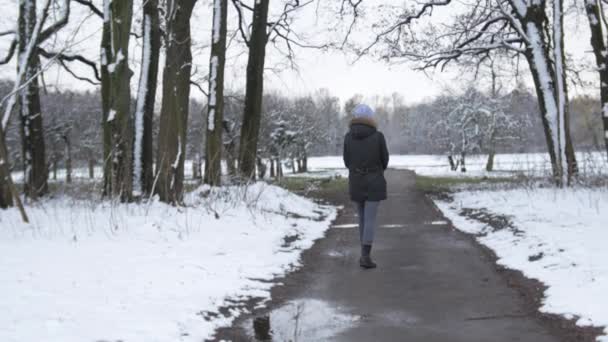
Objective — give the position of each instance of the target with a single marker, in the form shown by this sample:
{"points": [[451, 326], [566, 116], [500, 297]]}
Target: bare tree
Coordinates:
{"points": [[599, 42], [276, 31], [32, 31], [254, 90], [116, 99], [512, 27], [215, 115], [175, 105], [143, 162]]}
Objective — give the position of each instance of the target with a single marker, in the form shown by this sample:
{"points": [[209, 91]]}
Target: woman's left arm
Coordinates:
{"points": [[345, 152], [384, 156]]}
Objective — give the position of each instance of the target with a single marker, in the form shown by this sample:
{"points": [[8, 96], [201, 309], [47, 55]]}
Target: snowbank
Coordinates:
{"points": [[84, 271], [557, 236]]}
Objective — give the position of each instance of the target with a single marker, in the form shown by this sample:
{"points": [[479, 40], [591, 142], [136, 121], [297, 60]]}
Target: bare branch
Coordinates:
{"points": [[91, 6], [199, 87], [238, 5], [6, 33], [405, 20], [58, 25], [71, 58], [11, 53], [80, 78]]}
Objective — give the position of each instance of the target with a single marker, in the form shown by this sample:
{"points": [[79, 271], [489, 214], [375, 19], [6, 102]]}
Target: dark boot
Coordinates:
{"points": [[366, 259]]}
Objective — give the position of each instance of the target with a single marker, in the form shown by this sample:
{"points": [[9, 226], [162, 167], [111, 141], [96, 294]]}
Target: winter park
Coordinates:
{"points": [[303, 170]]}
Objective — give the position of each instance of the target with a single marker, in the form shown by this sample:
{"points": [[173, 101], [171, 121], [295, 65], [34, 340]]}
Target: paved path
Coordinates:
{"points": [[433, 283]]}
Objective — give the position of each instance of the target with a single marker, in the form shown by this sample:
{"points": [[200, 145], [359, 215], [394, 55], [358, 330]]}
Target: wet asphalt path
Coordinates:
{"points": [[432, 284]]}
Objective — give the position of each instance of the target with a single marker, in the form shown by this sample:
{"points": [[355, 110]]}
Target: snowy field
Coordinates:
{"points": [[505, 165], [558, 237], [90, 271]]}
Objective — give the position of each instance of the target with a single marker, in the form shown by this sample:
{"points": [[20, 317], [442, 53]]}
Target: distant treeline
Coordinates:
{"points": [[410, 129]]}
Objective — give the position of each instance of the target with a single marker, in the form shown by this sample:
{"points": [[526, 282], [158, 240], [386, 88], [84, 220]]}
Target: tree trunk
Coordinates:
{"points": [[305, 163], [199, 167], [272, 172], [176, 96], [30, 113], [194, 169], [490, 162], [231, 155], [68, 159], [453, 165], [8, 192], [55, 162], [463, 164], [254, 91], [595, 16], [143, 154], [566, 145], [279, 169], [105, 56], [215, 114], [6, 196], [552, 103], [261, 168], [118, 119], [92, 168]]}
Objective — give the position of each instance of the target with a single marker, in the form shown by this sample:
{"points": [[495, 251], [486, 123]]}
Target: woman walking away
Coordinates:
{"points": [[366, 157]]}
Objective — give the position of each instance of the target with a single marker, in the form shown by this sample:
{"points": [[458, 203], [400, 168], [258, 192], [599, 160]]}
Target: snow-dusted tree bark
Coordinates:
{"points": [[31, 32], [254, 91], [491, 148], [546, 63], [599, 28], [30, 111], [116, 99], [105, 56], [176, 95], [146, 95], [6, 195], [8, 192], [215, 114], [230, 139]]}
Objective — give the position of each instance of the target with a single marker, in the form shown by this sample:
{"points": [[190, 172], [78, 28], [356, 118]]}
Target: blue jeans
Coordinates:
{"points": [[368, 211]]}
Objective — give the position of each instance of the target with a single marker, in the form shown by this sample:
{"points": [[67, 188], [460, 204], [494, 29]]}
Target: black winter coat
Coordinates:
{"points": [[366, 157]]}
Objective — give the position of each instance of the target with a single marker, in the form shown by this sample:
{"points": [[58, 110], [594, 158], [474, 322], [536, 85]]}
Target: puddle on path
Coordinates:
{"points": [[346, 226], [393, 226], [439, 223], [300, 321], [397, 318], [356, 225], [336, 254]]}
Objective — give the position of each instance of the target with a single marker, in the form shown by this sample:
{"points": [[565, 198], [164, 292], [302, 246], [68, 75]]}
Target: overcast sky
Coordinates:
{"points": [[316, 69]]}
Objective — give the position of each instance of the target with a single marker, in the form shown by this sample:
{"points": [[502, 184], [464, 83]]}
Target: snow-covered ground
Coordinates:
{"points": [[90, 271], [558, 237], [505, 165]]}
